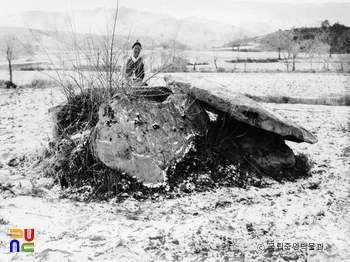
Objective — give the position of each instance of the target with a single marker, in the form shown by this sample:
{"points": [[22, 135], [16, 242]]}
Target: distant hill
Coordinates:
{"points": [[246, 18], [51, 40], [160, 28], [336, 35], [270, 16]]}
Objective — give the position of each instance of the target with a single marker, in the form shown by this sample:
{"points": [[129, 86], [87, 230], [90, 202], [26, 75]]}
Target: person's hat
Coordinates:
{"points": [[136, 43]]}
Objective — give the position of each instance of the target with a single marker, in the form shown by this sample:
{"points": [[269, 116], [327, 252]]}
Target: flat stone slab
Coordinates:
{"points": [[154, 93], [242, 108], [145, 138]]}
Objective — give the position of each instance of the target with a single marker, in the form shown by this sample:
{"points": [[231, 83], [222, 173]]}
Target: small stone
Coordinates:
{"points": [[249, 227], [155, 126], [321, 214], [13, 162], [176, 242], [313, 185], [204, 180], [290, 256]]}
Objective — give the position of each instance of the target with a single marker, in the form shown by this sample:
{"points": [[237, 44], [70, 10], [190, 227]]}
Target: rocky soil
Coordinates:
{"points": [[228, 224]]}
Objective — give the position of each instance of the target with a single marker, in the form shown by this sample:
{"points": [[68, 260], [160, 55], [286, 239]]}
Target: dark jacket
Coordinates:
{"points": [[136, 68]]}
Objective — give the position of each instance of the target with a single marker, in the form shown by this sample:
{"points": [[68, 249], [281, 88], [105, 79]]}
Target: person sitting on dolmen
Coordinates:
{"points": [[134, 66]]}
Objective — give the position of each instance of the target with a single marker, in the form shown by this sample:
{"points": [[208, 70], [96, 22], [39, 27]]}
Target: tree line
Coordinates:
{"points": [[319, 42]]}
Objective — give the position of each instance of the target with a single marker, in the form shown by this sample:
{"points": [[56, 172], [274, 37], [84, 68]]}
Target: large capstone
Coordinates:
{"points": [[251, 132], [144, 138], [242, 108]]}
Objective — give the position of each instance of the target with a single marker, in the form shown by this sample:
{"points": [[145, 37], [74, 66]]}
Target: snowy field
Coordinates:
{"points": [[229, 224]]}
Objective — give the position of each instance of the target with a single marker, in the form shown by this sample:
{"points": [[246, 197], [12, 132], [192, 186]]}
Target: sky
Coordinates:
{"points": [[210, 9]]}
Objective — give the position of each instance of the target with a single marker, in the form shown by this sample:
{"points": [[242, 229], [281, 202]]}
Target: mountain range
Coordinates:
{"points": [[154, 28]]}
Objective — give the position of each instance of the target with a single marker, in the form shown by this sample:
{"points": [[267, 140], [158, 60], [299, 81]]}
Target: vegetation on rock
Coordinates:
{"points": [[205, 167]]}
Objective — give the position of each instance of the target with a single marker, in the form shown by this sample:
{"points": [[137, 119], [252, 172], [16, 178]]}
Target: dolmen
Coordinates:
{"points": [[147, 130]]}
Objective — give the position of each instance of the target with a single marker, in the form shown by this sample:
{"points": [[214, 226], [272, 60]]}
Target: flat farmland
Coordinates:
{"points": [[302, 86], [204, 59], [296, 85]]}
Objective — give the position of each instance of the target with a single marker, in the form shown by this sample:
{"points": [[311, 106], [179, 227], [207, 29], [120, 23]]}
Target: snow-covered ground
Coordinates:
{"points": [[230, 223]]}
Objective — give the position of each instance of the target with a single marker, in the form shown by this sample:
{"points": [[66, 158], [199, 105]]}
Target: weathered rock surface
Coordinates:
{"points": [[56, 115], [151, 128], [156, 93], [144, 138], [243, 109], [267, 150], [249, 146]]}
